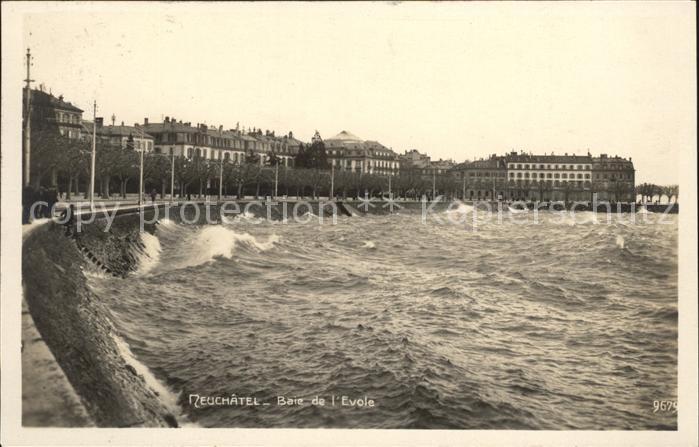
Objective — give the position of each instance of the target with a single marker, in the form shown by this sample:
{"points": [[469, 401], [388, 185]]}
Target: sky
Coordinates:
{"points": [[457, 80]]}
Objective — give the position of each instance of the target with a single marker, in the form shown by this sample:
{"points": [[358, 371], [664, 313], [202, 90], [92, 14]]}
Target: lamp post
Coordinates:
{"points": [[172, 177], [140, 176], [276, 177], [463, 193], [434, 183], [27, 122], [220, 177], [92, 163], [332, 180]]}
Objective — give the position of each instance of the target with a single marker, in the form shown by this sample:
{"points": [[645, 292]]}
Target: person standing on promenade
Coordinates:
{"points": [[40, 196], [51, 200], [153, 195], [28, 197], [68, 216]]}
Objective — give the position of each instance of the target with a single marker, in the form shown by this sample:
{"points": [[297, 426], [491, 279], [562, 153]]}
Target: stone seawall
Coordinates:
{"points": [[76, 327]]}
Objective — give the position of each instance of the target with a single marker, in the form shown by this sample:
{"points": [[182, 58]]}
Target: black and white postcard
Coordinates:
{"points": [[373, 223]]}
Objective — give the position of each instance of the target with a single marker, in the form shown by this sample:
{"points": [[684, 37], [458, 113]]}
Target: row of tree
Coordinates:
{"points": [[648, 191], [65, 164]]}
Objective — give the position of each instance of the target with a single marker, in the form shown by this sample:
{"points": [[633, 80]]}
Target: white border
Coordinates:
{"points": [[10, 392]]}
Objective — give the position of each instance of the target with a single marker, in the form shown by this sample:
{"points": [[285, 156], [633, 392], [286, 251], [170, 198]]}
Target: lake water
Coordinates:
{"points": [[560, 324]]}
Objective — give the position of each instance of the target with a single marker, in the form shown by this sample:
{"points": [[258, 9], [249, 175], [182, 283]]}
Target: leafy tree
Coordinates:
{"points": [[126, 166], [313, 156], [156, 169], [107, 158]]}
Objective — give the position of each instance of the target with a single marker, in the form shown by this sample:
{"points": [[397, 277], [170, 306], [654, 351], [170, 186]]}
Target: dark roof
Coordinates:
{"points": [[48, 100], [291, 141], [526, 158], [123, 131], [171, 126]]}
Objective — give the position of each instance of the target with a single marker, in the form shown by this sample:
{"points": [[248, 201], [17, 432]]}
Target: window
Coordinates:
{"points": [[526, 166], [548, 175], [587, 175], [519, 166], [564, 175]]}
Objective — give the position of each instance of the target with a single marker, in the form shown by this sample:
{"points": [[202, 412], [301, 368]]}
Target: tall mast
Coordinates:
{"points": [[92, 162], [27, 121]]}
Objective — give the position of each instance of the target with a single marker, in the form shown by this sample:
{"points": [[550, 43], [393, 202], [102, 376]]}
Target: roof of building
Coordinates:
{"points": [[346, 136], [39, 97], [170, 126], [123, 131], [291, 141], [528, 158], [377, 146]]}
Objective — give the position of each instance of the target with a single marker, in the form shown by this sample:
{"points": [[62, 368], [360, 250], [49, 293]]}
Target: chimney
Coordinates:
{"points": [[167, 119], [122, 124], [291, 134], [99, 121], [145, 121]]}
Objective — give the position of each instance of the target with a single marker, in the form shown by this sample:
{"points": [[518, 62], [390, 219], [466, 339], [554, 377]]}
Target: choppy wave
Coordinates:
{"points": [[515, 325], [148, 253]]}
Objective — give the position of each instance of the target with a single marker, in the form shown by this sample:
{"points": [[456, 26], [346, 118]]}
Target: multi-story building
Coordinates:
{"points": [[348, 152], [549, 177], [613, 179], [484, 179], [183, 139], [132, 137], [49, 112], [440, 166], [413, 159], [521, 176]]}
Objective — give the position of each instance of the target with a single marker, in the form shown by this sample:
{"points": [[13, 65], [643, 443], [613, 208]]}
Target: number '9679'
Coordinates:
{"points": [[665, 406]]}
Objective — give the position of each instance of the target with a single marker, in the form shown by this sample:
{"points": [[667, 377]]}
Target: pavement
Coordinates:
{"points": [[48, 398]]}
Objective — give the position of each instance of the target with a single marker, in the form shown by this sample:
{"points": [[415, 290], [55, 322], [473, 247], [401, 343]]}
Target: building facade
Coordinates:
{"points": [[413, 159], [133, 137], [549, 177], [51, 113], [568, 178], [613, 179], [214, 143], [348, 152], [484, 179]]}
